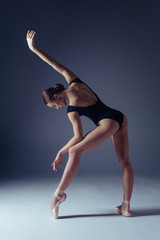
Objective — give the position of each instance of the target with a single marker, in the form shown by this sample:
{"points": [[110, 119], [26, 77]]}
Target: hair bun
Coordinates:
{"points": [[58, 87], [48, 94]]}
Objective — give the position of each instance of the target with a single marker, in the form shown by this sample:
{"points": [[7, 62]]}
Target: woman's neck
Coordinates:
{"points": [[64, 94]]}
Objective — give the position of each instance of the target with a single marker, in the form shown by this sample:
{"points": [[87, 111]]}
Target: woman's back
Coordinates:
{"points": [[81, 95]]}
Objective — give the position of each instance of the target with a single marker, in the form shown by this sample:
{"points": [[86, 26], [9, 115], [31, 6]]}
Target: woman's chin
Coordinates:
{"points": [[61, 107]]}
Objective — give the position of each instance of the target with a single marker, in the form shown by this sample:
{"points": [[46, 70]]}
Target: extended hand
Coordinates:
{"points": [[30, 38], [58, 159]]}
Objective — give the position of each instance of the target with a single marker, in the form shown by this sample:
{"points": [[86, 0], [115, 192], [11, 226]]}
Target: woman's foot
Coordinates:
{"points": [[58, 197], [124, 209]]}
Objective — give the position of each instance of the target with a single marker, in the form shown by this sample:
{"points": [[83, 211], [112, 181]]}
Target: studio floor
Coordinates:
{"points": [[87, 214]]}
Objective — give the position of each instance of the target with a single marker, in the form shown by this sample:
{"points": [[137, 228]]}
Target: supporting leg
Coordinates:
{"points": [[121, 144], [128, 180]]}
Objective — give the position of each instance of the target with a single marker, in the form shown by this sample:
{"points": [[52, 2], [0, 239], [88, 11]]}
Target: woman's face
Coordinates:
{"points": [[57, 103]]}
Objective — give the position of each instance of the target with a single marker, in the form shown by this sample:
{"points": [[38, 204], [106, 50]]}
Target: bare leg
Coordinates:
{"points": [[128, 180], [120, 140], [71, 169], [69, 173], [92, 140], [106, 129]]}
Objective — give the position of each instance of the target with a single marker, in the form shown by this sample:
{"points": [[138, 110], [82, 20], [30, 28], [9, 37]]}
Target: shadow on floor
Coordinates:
{"points": [[88, 215], [145, 212], [134, 213]]}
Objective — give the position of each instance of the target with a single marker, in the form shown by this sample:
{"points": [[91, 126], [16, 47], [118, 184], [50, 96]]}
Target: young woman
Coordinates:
{"points": [[109, 123]]}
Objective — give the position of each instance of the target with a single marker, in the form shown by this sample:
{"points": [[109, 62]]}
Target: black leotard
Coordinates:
{"points": [[97, 111]]}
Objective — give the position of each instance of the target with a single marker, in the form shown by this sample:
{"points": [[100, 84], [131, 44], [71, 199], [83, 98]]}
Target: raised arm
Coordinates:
{"points": [[68, 74]]}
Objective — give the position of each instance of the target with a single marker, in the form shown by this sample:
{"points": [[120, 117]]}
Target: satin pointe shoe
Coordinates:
{"points": [[56, 200], [122, 212]]}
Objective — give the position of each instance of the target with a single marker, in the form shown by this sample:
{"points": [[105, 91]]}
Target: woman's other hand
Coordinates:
{"points": [[57, 159], [30, 39]]}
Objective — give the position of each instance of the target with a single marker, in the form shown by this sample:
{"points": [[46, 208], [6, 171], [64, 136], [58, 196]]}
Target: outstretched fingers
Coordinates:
{"points": [[54, 165]]}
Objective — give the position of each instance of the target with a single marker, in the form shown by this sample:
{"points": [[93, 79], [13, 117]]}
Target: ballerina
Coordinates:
{"points": [[109, 123]]}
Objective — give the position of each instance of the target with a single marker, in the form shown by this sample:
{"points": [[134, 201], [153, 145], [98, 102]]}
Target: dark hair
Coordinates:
{"points": [[48, 94]]}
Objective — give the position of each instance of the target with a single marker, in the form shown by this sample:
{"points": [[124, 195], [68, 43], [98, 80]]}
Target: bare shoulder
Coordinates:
{"points": [[69, 75]]}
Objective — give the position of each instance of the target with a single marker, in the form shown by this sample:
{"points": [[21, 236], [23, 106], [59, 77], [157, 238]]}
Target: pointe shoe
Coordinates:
{"points": [[55, 205], [122, 212]]}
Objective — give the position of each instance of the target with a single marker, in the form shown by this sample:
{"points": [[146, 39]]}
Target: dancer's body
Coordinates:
{"points": [[109, 123]]}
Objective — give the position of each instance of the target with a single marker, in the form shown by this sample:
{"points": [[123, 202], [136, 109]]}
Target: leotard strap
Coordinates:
{"points": [[76, 80]]}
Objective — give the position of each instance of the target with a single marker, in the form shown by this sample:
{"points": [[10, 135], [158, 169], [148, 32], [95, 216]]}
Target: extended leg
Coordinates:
{"points": [[71, 169], [120, 140], [94, 138]]}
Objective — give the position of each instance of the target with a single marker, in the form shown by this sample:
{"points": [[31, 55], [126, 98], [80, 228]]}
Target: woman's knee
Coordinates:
{"points": [[74, 151], [125, 162]]}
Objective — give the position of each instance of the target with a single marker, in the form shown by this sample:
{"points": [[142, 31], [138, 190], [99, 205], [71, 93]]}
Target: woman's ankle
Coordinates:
{"points": [[58, 192], [126, 205], [126, 202]]}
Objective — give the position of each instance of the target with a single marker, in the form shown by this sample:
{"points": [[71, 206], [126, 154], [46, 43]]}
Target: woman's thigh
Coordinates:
{"points": [[106, 129], [121, 143]]}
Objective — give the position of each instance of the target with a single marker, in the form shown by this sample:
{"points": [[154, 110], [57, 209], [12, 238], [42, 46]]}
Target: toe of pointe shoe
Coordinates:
{"points": [[55, 210]]}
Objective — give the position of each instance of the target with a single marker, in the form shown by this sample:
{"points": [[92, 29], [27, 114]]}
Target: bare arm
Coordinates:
{"points": [[68, 74], [78, 136], [77, 129]]}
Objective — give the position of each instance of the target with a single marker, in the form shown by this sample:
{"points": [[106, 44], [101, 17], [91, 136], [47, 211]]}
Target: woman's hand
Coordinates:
{"points": [[30, 39], [57, 159]]}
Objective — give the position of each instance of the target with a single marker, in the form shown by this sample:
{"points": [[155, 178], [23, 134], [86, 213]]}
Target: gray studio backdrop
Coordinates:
{"points": [[113, 46]]}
